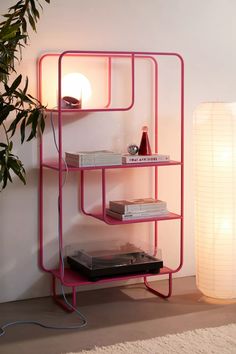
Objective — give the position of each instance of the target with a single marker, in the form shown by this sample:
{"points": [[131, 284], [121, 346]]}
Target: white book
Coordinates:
{"points": [[126, 206], [93, 158], [144, 158], [136, 216]]}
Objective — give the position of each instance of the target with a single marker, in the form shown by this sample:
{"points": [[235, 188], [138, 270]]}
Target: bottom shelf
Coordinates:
{"points": [[72, 278]]}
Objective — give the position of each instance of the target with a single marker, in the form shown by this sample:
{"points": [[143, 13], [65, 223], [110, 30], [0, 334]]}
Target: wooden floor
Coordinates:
{"points": [[114, 315]]}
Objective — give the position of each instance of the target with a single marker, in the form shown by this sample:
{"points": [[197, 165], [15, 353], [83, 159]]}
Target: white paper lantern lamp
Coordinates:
{"points": [[215, 199]]}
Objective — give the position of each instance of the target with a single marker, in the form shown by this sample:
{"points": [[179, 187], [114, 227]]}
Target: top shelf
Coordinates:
{"points": [[54, 165], [108, 65]]}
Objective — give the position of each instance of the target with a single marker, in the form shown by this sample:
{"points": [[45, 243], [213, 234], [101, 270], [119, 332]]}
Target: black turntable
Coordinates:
{"points": [[98, 265]]}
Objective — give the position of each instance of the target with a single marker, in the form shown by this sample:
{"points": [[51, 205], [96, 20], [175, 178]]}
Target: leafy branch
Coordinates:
{"points": [[27, 111]]}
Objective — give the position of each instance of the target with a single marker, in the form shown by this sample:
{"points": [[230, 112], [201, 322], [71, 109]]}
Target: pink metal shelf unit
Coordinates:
{"points": [[68, 277]]}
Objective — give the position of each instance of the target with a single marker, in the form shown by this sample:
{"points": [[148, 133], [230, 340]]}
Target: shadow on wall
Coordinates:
{"points": [[19, 240], [19, 273]]}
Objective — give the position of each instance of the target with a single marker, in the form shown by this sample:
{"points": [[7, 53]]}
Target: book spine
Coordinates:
{"points": [[78, 161], [140, 159], [72, 160]]}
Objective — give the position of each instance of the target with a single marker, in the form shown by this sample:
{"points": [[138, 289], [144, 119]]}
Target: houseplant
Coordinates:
{"points": [[25, 113]]}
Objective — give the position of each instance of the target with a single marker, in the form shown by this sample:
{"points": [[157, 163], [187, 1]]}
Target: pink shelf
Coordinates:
{"points": [[55, 166], [72, 278], [111, 221]]}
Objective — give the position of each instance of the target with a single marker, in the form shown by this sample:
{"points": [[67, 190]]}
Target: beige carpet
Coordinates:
{"points": [[218, 340]]}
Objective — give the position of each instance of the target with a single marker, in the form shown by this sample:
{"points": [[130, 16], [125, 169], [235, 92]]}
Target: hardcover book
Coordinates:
{"points": [[137, 205], [93, 158], [144, 158]]}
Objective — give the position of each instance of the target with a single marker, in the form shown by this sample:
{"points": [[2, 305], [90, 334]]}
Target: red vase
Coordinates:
{"points": [[144, 147]]}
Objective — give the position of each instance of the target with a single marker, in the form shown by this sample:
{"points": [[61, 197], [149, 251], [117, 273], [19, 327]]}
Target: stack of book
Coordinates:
{"points": [[145, 158], [137, 208], [93, 158]]}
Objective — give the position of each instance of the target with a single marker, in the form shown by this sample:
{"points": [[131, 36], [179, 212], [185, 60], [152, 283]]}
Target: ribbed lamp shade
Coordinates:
{"points": [[215, 199]]}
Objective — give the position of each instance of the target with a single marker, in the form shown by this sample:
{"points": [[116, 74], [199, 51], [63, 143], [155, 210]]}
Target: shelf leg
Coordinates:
{"points": [[163, 296], [60, 300]]}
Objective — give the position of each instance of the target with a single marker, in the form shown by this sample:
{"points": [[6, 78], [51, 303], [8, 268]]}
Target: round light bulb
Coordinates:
{"points": [[77, 86]]}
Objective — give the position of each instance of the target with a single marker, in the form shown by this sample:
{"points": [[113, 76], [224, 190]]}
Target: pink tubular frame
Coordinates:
{"points": [[67, 277]]}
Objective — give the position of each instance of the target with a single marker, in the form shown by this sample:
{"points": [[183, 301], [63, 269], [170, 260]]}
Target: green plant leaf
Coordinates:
{"points": [[22, 130], [34, 9], [8, 32], [24, 25], [23, 97], [6, 156], [12, 163], [33, 120], [16, 83], [5, 112], [3, 71], [26, 85], [3, 145], [15, 122], [20, 2], [17, 167], [32, 21], [42, 123]]}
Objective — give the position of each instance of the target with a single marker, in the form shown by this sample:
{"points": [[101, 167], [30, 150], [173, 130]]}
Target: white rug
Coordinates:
{"points": [[218, 340]]}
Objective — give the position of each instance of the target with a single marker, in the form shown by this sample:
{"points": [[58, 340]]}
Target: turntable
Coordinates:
{"points": [[101, 264]]}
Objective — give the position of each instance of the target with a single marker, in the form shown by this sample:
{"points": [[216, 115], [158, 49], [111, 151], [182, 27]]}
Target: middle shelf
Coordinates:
{"points": [[111, 221], [54, 165], [101, 214]]}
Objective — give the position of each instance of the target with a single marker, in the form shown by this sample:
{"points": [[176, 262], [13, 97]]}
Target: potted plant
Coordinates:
{"points": [[26, 114]]}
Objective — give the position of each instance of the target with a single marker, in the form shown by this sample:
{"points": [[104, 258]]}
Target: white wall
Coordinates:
{"points": [[202, 31]]}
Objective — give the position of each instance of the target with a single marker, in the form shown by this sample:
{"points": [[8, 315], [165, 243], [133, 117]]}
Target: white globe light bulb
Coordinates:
{"points": [[77, 86]]}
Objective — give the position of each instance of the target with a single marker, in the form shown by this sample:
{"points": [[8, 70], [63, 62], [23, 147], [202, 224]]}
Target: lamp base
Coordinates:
{"points": [[215, 301], [71, 102]]}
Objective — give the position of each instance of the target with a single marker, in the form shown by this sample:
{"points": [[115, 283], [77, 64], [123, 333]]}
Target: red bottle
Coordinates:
{"points": [[144, 147]]}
